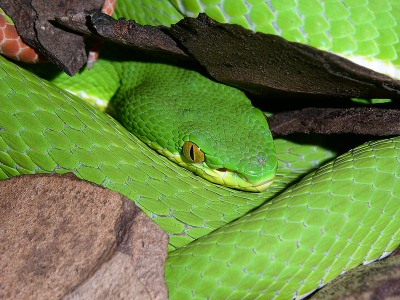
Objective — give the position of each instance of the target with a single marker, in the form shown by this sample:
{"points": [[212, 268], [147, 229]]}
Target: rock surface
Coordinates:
{"points": [[61, 237], [378, 280]]}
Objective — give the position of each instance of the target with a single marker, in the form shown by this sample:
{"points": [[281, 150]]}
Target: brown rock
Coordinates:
{"points": [[61, 237], [378, 280]]}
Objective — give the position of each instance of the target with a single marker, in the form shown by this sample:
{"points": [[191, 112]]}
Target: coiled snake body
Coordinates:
{"points": [[342, 215]]}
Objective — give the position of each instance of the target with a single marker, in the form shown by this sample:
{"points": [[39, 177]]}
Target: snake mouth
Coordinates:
{"points": [[223, 176], [239, 181]]}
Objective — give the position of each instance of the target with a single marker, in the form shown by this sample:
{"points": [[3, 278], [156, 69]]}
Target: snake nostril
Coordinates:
{"points": [[222, 169]]}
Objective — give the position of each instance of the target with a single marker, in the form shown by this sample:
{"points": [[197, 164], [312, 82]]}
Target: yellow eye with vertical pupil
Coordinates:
{"points": [[193, 153]]}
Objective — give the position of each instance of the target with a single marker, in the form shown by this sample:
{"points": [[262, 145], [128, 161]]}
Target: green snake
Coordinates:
{"points": [[225, 243]]}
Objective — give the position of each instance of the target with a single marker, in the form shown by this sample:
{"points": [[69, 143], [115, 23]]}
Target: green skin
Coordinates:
{"points": [[166, 106], [344, 214]]}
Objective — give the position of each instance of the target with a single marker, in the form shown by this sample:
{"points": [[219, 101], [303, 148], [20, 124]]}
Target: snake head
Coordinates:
{"points": [[242, 158], [206, 127]]}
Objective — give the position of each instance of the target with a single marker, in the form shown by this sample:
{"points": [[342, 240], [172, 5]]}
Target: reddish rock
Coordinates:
{"points": [[61, 237]]}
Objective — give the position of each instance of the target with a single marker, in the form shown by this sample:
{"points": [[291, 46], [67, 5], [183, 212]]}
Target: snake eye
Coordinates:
{"points": [[193, 153]]}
